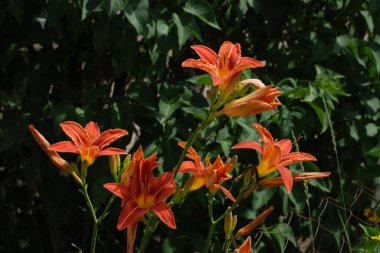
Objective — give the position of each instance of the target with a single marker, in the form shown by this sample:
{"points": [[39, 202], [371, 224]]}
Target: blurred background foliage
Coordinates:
{"points": [[118, 63]]}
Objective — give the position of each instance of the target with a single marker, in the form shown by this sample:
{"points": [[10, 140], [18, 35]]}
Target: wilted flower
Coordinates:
{"points": [[275, 155], [88, 142]]}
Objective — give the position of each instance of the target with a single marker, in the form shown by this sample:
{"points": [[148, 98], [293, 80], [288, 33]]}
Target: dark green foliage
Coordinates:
{"points": [[117, 62]]}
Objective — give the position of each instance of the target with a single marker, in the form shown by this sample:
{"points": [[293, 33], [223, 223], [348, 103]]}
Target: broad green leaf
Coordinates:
{"points": [[89, 6], [137, 14], [203, 10], [368, 19], [321, 115], [162, 29], [201, 79], [115, 6], [371, 129], [375, 151], [183, 30]]}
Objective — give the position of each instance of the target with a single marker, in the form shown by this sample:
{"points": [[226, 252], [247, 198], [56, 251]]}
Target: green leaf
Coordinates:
{"points": [[203, 10], [375, 151], [162, 29], [115, 6], [183, 31], [283, 232], [201, 79], [371, 129], [368, 19], [321, 115], [91, 6], [137, 14]]}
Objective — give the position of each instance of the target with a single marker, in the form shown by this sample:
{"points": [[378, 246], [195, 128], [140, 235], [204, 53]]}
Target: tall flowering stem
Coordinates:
{"points": [[97, 220]]}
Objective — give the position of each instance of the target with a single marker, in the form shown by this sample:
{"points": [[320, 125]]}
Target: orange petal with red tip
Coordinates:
{"points": [[75, 131], [165, 214], [205, 53], [286, 177]]}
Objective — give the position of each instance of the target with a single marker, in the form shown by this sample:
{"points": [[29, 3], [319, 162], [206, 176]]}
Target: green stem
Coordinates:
{"points": [[333, 139], [209, 236], [213, 222], [96, 220], [152, 225]]}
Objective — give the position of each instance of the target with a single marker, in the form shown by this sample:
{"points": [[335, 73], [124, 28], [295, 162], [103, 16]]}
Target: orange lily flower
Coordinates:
{"points": [[225, 67], [211, 175], [144, 193], [88, 142], [275, 155], [245, 247], [260, 100], [55, 158]]}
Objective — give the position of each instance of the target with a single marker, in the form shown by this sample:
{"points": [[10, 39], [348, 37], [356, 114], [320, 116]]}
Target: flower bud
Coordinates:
{"points": [[246, 230], [229, 224], [114, 163]]}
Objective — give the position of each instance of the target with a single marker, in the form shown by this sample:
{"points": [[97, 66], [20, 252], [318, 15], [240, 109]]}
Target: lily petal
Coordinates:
{"points": [[165, 214], [75, 131], [286, 177], [119, 190], [296, 157], [286, 146], [265, 134], [249, 144], [112, 151], [109, 136], [64, 146], [92, 130], [130, 214], [205, 53]]}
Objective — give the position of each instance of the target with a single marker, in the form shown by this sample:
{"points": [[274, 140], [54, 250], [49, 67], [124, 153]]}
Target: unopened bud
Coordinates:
{"points": [[229, 224], [126, 162], [249, 176], [189, 183], [246, 230], [114, 163]]}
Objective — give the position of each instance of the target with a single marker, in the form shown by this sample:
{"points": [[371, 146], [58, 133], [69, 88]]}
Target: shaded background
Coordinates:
{"points": [[118, 63]]}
